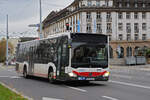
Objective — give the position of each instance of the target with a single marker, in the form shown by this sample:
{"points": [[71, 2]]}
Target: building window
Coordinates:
{"points": [[98, 15], [120, 37], [110, 37], [107, 3], [128, 16], [120, 5], [98, 3], [88, 15], [128, 37], [120, 26], [135, 5], [143, 26], [136, 27], [99, 28], [109, 28], [136, 36], [143, 36], [135, 15], [128, 5], [129, 51], [89, 3], [120, 52], [143, 15], [88, 28], [128, 27], [120, 16], [108, 17], [143, 5]]}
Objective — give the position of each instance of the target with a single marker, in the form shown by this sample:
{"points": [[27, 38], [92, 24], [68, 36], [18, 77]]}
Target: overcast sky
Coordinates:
{"points": [[24, 12]]}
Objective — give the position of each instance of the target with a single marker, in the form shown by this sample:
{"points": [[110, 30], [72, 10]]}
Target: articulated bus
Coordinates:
{"points": [[65, 57]]}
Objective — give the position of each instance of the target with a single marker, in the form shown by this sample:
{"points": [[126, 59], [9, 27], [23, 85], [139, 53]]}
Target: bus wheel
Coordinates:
{"points": [[50, 77], [25, 75]]}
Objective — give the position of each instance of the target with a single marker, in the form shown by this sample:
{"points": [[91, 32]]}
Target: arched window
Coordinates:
{"points": [[136, 50], [144, 49], [129, 51], [120, 52]]}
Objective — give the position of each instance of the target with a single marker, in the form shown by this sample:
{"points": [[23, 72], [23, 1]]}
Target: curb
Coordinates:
{"points": [[16, 91]]}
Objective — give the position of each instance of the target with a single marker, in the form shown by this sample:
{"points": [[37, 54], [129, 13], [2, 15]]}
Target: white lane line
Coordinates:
{"points": [[10, 77], [77, 89], [46, 98], [10, 70], [15, 77], [110, 98], [130, 84]]}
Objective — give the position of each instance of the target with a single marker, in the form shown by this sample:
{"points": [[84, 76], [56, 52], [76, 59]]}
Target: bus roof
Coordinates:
{"points": [[81, 37]]}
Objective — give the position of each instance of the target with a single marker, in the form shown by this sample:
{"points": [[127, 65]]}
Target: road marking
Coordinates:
{"points": [[10, 77], [130, 84], [15, 77], [46, 98], [11, 70], [110, 98], [77, 89]]}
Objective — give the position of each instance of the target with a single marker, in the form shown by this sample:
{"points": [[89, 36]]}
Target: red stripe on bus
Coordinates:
{"points": [[44, 75], [89, 74], [38, 74]]}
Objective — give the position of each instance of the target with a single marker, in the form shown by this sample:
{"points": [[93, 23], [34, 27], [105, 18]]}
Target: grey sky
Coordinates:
{"points": [[24, 12]]}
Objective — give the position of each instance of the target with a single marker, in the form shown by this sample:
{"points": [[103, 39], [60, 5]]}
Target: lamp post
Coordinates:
{"points": [[40, 21], [7, 41], [108, 49]]}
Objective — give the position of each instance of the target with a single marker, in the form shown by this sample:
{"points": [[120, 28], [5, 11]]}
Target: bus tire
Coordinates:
{"points": [[25, 75], [50, 76]]}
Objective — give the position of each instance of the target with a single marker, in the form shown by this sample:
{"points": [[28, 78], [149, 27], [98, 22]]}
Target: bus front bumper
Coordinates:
{"points": [[81, 78]]}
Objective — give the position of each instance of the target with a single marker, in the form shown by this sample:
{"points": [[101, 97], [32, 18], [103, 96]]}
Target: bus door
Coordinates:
{"points": [[63, 57], [59, 61], [31, 63]]}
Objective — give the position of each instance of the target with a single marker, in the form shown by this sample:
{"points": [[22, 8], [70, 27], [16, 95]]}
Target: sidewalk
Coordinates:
{"points": [[9, 66], [132, 67]]}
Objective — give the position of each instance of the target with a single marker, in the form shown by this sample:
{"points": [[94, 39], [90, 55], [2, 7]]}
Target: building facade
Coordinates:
{"points": [[127, 22]]}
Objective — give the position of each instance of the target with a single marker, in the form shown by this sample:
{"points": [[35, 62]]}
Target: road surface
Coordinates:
{"points": [[124, 84]]}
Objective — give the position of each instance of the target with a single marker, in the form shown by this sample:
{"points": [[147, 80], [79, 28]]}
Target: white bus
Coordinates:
{"points": [[65, 57]]}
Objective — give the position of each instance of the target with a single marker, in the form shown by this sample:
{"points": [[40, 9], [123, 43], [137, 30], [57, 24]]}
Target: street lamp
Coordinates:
{"points": [[39, 25]]}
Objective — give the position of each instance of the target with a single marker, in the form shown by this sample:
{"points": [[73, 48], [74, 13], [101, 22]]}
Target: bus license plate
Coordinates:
{"points": [[90, 78], [81, 78]]}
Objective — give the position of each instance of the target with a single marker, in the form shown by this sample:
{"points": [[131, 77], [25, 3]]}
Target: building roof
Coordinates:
{"points": [[54, 15]]}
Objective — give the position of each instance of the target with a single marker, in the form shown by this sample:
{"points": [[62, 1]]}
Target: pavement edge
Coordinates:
{"points": [[16, 91]]}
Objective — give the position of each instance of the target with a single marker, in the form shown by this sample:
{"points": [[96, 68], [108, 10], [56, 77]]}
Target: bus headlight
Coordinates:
{"points": [[72, 74], [106, 74]]}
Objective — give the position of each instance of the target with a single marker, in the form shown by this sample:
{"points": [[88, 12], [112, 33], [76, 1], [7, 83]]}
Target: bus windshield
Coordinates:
{"points": [[89, 55]]}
